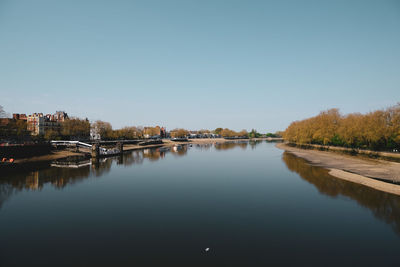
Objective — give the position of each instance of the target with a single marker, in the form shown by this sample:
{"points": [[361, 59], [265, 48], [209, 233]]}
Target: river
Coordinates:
{"points": [[250, 203]]}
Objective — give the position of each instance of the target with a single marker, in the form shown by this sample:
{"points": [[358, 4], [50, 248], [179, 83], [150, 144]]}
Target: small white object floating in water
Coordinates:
{"points": [[207, 249]]}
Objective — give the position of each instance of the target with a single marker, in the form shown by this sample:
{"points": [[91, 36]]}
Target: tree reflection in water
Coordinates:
{"points": [[254, 143], [60, 177], [383, 205], [231, 145]]}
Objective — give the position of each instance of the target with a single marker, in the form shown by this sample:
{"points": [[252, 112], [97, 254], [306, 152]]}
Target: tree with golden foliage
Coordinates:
{"points": [[15, 129], [179, 133], [376, 130], [151, 131], [218, 130], [104, 128], [51, 135], [75, 128], [231, 133], [228, 133], [204, 131], [243, 133], [128, 133]]}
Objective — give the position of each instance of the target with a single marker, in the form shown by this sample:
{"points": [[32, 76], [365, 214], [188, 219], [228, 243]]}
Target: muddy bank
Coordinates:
{"points": [[57, 154], [374, 173], [391, 156]]}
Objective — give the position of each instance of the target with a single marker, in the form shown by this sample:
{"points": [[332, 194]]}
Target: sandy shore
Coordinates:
{"points": [[352, 168], [391, 156], [53, 156]]}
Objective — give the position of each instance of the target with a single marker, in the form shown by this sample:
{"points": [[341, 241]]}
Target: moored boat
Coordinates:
{"points": [[180, 139], [7, 163]]}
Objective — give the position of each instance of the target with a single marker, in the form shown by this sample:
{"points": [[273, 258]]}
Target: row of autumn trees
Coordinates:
{"points": [[108, 133], [76, 128], [79, 129], [230, 133], [15, 129], [378, 130], [73, 128]]}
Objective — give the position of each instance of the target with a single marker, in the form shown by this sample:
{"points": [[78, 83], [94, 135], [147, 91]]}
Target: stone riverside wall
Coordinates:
{"points": [[24, 151]]}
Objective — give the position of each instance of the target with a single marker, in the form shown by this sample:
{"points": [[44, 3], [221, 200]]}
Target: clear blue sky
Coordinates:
{"points": [[199, 64]]}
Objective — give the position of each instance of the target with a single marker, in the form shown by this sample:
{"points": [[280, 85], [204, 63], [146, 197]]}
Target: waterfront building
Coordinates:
{"points": [[16, 116], [35, 123], [60, 116], [94, 133], [39, 124], [51, 124]]}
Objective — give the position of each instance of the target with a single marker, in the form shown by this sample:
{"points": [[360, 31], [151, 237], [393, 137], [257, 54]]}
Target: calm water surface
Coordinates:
{"points": [[250, 203]]}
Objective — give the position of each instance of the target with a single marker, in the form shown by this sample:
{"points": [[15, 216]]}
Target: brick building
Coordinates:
{"points": [[18, 116]]}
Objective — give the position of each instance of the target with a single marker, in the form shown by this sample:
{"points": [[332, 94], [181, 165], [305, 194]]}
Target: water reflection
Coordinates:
{"points": [[60, 174], [254, 143], [231, 145], [203, 147], [383, 205]]}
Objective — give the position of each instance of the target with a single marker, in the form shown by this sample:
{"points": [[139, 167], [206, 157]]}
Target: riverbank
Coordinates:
{"points": [[374, 173], [392, 156], [60, 154], [54, 155]]}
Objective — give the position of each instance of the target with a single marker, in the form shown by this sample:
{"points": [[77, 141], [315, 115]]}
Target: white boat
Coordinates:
{"points": [[177, 147]]}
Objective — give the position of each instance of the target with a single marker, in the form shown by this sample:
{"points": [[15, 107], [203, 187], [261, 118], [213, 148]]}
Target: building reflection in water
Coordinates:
{"points": [[63, 173], [384, 206]]}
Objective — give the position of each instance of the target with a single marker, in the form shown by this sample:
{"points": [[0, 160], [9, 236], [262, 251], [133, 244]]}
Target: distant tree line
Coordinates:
{"points": [[14, 130], [79, 129], [107, 133], [70, 129], [75, 128], [179, 133], [378, 130], [231, 133], [254, 134], [243, 133]]}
